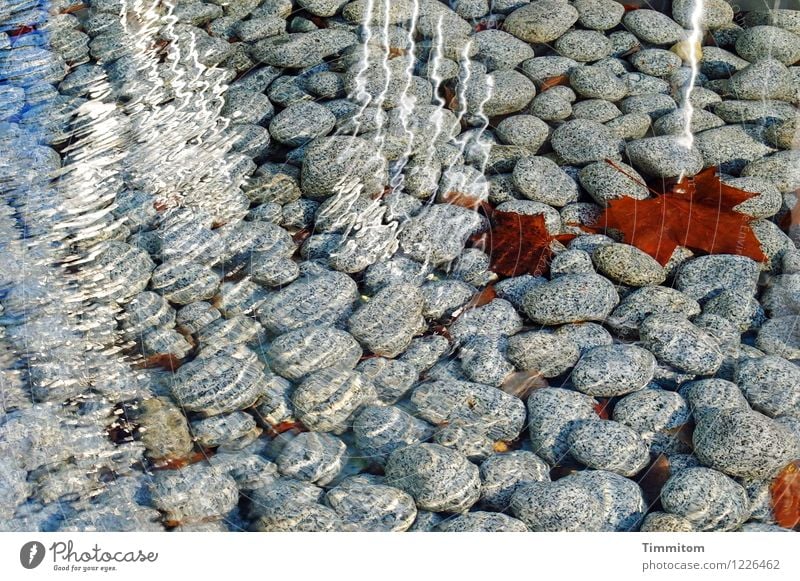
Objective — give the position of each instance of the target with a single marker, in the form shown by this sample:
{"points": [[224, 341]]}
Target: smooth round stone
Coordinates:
{"points": [[443, 297], [598, 110], [580, 142], [539, 69], [770, 384], [439, 479], [761, 42], [312, 456], [496, 319], [297, 517], [664, 522], [586, 336], [499, 50], [386, 324], [583, 45], [654, 104], [608, 445], [743, 443], [298, 353], [439, 233], [764, 79], [542, 21], [232, 431], [742, 310], [300, 123], [571, 261], [549, 106], [674, 123], [613, 370], [784, 134], [572, 298], [714, 13], [597, 83], [193, 494], [604, 182], [322, 8], [541, 180], [653, 27], [731, 147], [503, 474], [379, 431], [781, 168], [552, 412], [757, 112], [630, 126], [392, 378], [664, 156], [706, 276], [299, 50], [652, 410], [718, 63], [483, 522], [708, 499], [328, 160], [474, 406], [473, 444], [367, 507], [628, 265], [674, 340], [544, 352], [561, 506], [599, 14], [709, 396], [779, 336], [621, 500], [524, 131], [483, 360], [656, 61], [326, 399], [217, 385], [783, 18]]}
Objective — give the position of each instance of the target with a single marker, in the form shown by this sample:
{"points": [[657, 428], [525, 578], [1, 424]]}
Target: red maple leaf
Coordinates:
{"points": [[519, 244], [785, 492], [695, 212]]}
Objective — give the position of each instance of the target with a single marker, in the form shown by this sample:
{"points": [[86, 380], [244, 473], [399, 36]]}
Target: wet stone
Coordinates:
{"points": [[301, 123], [675, 341], [608, 445], [392, 378], [743, 443], [581, 142], [314, 457], [561, 506], [541, 180], [770, 384], [703, 277], [664, 156], [653, 27], [761, 42], [628, 265], [295, 354], [368, 507], [571, 298], [379, 431], [438, 478], [541, 22], [552, 412], [549, 354], [708, 499], [496, 319], [613, 370], [604, 182], [599, 14], [389, 320], [194, 494]]}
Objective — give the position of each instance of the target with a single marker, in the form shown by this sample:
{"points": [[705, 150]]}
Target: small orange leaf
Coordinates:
{"points": [[785, 493], [551, 82]]}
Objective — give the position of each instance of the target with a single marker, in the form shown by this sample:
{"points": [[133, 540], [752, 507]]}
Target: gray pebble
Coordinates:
{"points": [[656, 61], [608, 445], [653, 27], [503, 474], [562, 506], [770, 384], [599, 14], [628, 265], [743, 443], [604, 182], [679, 343], [438, 478], [300, 123], [622, 506], [483, 522], [541, 180], [496, 319], [386, 324], [372, 507], [379, 431], [327, 399], [612, 370], [571, 298], [597, 83], [630, 126], [731, 147], [193, 494], [761, 42], [438, 233], [549, 106], [780, 168], [523, 130], [583, 45], [331, 161], [499, 50], [542, 21], [706, 276], [313, 457], [550, 355], [571, 261], [552, 412], [709, 500], [295, 354], [664, 522]]}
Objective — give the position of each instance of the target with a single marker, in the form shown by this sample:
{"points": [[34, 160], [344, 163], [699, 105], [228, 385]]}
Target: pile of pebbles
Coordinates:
{"points": [[295, 345]]}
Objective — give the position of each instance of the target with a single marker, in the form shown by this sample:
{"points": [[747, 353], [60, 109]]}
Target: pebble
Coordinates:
{"points": [[439, 233], [499, 50], [193, 494], [552, 413], [327, 399], [770, 384], [571, 298], [502, 474], [549, 354], [664, 522], [760, 42], [653, 27], [392, 378], [597, 110], [731, 147], [708, 499], [496, 319], [779, 168], [300, 123], [743, 443], [653, 411], [674, 340], [674, 123], [367, 507], [656, 62], [599, 14], [571, 261], [295, 354], [597, 83], [613, 370], [538, 69], [605, 183], [541, 180], [628, 265], [541, 22], [742, 310], [296, 51], [439, 479], [583, 45], [549, 106], [313, 457], [475, 406], [386, 324], [379, 431], [622, 505], [706, 276], [561, 506], [329, 160], [664, 156], [523, 130], [608, 445], [483, 522], [217, 385]]}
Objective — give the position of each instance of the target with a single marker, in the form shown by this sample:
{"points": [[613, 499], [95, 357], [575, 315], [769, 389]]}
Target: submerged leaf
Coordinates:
{"points": [[785, 492], [696, 213]]}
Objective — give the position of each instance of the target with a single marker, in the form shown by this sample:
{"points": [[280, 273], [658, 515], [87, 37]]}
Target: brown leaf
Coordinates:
{"points": [[551, 82], [785, 496], [519, 244], [467, 201], [695, 212]]}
